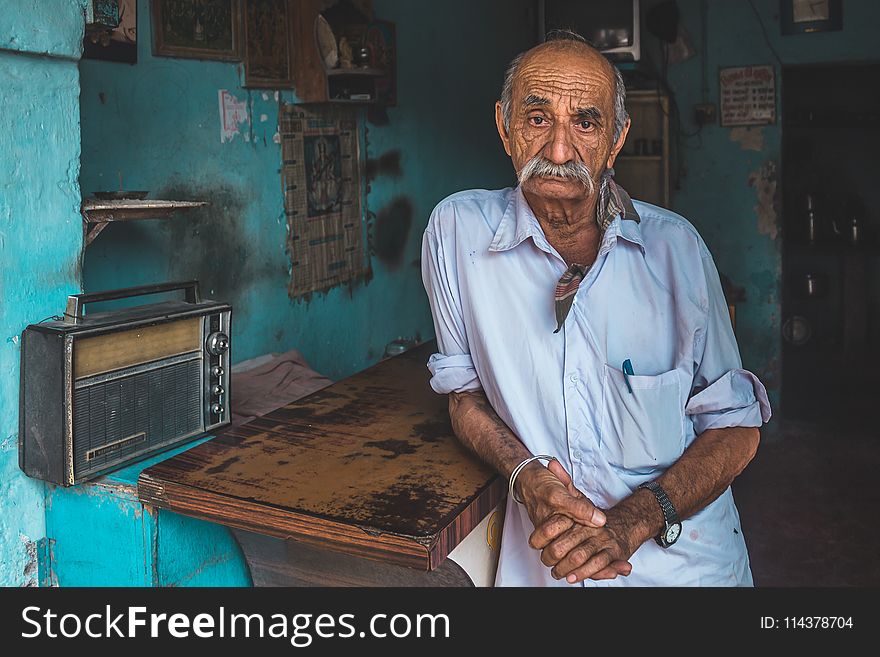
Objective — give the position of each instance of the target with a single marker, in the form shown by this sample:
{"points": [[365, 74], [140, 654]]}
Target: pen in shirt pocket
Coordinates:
{"points": [[627, 368]]}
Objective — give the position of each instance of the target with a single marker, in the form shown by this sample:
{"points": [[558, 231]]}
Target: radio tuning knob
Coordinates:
{"points": [[217, 409], [218, 343], [217, 390], [216, 371]]}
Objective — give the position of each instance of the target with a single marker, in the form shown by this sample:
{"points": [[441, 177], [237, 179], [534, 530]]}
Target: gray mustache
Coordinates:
{"points": [[542, 167]]}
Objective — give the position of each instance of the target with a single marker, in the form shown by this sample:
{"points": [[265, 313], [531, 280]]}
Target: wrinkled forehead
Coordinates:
{"points": [[570, 78]]}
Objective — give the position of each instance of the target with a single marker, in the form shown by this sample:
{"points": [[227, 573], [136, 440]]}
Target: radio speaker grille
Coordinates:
{"points": [[118, 419]]}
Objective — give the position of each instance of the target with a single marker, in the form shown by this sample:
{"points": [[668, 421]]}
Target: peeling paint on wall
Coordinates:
{"points": [[764, 180], [40, 232], [31, 566], [233, 114], [749, 138], [10, 442]]}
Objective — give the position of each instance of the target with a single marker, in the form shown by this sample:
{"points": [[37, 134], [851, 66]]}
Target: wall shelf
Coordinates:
{"points": [[646, 176], [315, 83], [97, 214], [375, 72]]}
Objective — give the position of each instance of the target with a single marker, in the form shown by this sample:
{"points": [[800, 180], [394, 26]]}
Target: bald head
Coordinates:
{"points": [[573, 48], [562, 120]]}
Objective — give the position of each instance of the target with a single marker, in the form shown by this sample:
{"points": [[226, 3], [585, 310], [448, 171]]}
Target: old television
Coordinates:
{"points": [[611, 26]]}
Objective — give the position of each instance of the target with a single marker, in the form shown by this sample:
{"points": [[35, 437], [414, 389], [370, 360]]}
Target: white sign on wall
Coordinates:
{"points": [[748, 95], [233, 115]]}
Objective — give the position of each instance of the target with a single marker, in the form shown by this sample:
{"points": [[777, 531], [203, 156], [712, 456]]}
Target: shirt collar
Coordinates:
{"points": [[630, 230], [519, 222], [614, 201]]}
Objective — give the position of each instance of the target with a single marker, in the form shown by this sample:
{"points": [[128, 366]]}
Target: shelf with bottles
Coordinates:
{"points": [[642, 167], [342, 54], [832, 246], [826, 221]]}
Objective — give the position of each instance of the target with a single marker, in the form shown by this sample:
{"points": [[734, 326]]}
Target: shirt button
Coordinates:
{"points": [[577, 455], [574, 378]]}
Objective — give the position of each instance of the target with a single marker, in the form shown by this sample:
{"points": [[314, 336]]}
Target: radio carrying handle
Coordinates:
{"points": [[75, 302]]}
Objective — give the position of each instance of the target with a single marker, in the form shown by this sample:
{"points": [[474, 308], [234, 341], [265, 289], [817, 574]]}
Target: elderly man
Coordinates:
{"points": [[586, 348]]}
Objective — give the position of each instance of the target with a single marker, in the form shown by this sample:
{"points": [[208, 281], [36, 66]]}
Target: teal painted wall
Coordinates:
{"points": [[40, 230], [715, 193], [129, 544], [42, 27], [158, 123]]}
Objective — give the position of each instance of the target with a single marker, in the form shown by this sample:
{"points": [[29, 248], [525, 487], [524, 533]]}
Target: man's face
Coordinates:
{"points": [[562, 109]]}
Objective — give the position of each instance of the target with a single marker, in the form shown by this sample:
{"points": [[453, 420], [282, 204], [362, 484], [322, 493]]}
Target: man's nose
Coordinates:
{"points": [[559, 149]]}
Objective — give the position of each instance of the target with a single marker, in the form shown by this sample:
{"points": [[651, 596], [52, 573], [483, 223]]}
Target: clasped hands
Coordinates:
{"points": [[574, 537]]}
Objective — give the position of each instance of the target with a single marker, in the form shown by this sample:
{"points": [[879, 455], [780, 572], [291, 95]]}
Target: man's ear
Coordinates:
{"points": [[618, 146], [502, 131]]}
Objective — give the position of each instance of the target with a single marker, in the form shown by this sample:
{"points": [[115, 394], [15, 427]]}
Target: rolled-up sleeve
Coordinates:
{"points": [[724, 394], [737, 399], [452, 369], [453, 373]]}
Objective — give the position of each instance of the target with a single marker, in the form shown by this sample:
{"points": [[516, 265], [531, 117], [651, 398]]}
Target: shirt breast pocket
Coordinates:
{"points": [[642, 430]]}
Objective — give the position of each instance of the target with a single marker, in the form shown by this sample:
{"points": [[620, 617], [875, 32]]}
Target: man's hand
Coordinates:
{"points": [[557, 509], [549, 494], [584, 552], [544, 494]]}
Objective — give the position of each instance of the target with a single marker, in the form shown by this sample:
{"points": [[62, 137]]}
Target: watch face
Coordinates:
{"points": [[672, 533]]}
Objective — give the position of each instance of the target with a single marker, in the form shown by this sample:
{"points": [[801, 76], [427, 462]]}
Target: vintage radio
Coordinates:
{"points": [[103, 390]]}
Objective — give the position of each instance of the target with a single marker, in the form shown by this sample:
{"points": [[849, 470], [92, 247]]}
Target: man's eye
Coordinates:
{"points": [[585, 125], [537, 120]]}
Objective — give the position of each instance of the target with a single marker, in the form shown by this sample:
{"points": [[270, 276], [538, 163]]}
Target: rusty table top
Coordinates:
{"points": [[367, 466]]}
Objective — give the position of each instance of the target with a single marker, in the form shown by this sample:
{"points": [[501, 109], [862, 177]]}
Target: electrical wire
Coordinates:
{"points": [[764, 32], [675, 111], [679, 137]]}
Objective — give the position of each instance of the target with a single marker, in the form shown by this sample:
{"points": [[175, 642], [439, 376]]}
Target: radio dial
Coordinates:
{"points": [[218, 343], [217, 409], [217, 390]]}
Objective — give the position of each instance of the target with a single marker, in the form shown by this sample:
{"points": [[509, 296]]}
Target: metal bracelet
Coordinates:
{"points": [[518, 469]]}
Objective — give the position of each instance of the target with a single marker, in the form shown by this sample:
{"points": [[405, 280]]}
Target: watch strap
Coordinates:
{"points": [[670, 515]]}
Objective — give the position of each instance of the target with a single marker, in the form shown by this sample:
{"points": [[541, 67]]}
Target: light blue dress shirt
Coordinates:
{"points": [[653, 296]]}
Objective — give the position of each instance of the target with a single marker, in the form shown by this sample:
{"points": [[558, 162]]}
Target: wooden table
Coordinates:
{"points": [[365, 469]]}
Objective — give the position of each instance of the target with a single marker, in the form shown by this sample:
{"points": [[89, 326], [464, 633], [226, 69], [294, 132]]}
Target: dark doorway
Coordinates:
{"points": [[830, 152]]}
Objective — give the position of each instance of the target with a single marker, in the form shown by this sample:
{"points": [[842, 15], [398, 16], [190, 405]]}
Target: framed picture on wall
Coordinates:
{"points": [[117, 43], [198, 29], [268, 55], [803, 16]]}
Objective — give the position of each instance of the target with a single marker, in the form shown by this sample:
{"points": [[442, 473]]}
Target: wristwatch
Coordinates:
{"points": [[672, 530]]}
